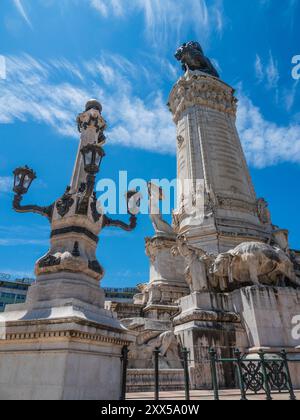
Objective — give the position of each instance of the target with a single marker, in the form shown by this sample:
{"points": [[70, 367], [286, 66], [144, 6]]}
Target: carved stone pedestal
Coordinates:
{"points": [[203, 325], [250, 319], [268, 314], [68, 350], [167, 280]]}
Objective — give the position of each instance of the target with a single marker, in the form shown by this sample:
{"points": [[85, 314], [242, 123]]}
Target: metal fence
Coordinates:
{"points": [[267, 374], [264, 373]]}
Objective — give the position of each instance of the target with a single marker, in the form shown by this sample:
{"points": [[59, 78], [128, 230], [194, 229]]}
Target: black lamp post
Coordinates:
{"points": [[23, 178]]}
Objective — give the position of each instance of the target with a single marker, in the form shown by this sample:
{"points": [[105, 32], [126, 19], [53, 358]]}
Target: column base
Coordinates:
{"points": [[201, 326], [68, 351]]}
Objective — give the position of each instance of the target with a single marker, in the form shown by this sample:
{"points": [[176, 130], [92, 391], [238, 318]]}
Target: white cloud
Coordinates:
{"points": [[145, 123], [28, 94], [21, 10], [5, 184], [18, 242], [167, 19], [268, 73], [16, 235], [266, 143], [272, 72], [259, 69]]}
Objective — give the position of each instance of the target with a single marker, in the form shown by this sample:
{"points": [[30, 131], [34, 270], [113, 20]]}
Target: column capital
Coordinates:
{"points": [[198, 88]]}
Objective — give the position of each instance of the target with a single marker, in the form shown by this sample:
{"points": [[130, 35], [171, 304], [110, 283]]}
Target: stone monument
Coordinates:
{"points": [[62, 344], [244, 280], [154, 307]]}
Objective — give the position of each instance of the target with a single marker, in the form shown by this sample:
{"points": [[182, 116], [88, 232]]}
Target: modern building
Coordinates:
{"points": [[117, 295], [13, 292]]}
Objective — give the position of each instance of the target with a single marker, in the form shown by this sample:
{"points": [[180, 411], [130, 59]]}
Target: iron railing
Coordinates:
{"points": [[264, 373], [268, 373]]}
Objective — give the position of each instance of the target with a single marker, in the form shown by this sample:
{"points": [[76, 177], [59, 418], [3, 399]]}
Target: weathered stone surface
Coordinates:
{"points": [[61, 344], [68, 350], [209, 149], [143, 380], [267, 314]]}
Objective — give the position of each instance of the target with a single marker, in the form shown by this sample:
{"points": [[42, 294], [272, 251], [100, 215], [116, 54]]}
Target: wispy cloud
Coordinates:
{"points": [[168, 18], [21, 10], [5, 184], [289, 95], [29, 94], [16, 235], [272, 72], [266, 143], [259, 71], [267, 72], [140, 122]]}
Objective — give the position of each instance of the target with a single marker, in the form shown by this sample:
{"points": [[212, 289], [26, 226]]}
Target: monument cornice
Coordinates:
{"points": [[63, 328], [196, 88], [64, 334], [153, 245], [206, 316]]}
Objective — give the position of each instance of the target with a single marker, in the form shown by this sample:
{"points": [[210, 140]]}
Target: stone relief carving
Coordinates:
{"points": [[49, 261], [180, 141], [205, 92], [230, 203], [192, 58], [141, 353], [263, 211], [253, 263], [64, 204]]}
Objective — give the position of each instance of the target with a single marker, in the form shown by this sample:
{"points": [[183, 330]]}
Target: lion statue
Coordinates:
{"points": [[192, 58]]}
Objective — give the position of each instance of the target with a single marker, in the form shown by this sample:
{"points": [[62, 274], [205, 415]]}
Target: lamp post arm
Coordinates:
{"points": [[43, 211], [108, 222]]}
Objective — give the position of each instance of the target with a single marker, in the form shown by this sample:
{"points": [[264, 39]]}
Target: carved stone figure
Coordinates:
{"points": [[160, 226], [280, 237], [141, 353], [196, 261], [192, 58], [253, 263], [263, 211]]}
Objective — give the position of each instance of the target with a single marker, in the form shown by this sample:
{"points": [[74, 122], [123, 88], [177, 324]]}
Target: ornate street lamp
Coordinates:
{"points": [[23, 178], [75, 218], [92, 158]]}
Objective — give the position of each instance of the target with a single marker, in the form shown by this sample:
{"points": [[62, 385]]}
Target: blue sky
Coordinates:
{"points": [[60, 53]]}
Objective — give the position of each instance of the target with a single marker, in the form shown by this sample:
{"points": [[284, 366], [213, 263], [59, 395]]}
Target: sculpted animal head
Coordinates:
{"points": [[188, 48], [192, 57], [221, 265]]}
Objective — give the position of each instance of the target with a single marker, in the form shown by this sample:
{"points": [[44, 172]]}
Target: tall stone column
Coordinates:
{"points": [[209, 149], [233, 240]]}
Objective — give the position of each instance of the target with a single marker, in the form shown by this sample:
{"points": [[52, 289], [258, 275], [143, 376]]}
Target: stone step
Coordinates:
{"points": [[143, 380]]}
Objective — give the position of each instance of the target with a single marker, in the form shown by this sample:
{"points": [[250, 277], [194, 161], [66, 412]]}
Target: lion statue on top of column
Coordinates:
{"points": [[192, 58]]}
